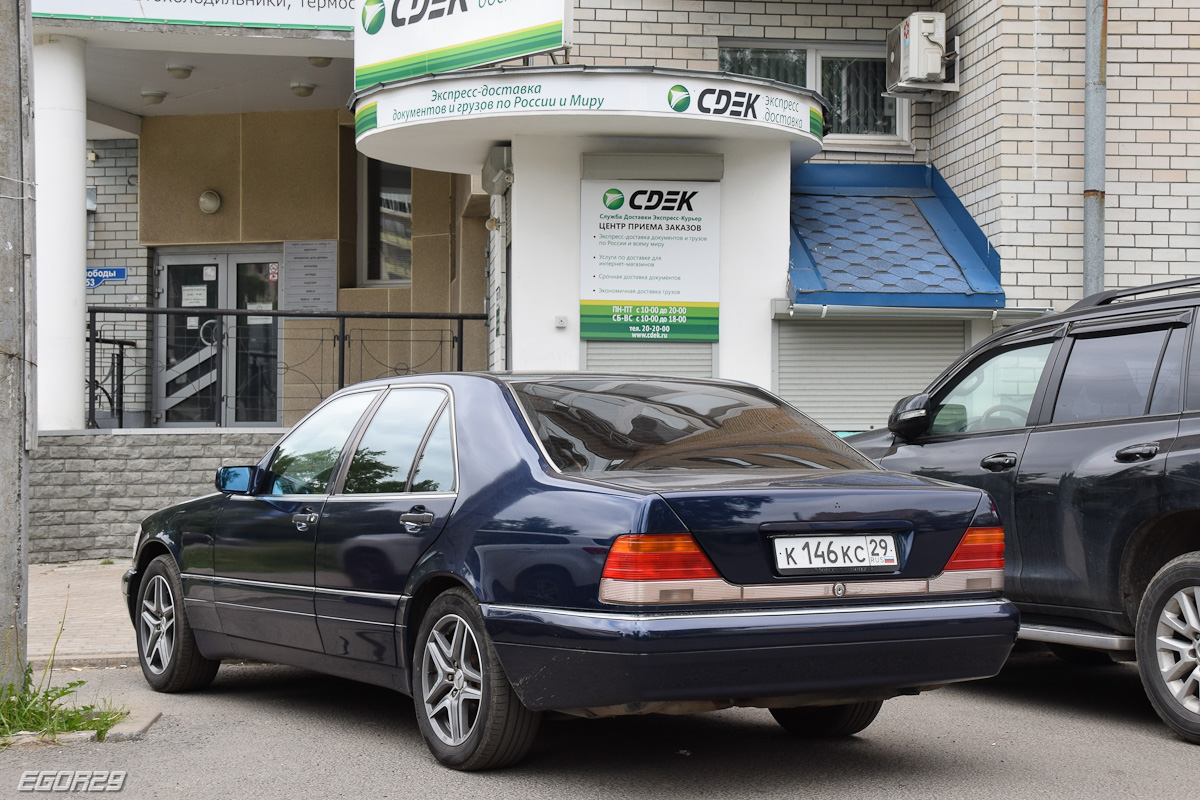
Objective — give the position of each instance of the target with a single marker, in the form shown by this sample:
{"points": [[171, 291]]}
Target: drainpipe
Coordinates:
{"points": [[1095, 120]]}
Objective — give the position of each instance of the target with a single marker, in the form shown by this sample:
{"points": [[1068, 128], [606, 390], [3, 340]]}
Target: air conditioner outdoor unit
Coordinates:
{"points": [[918, 61]]}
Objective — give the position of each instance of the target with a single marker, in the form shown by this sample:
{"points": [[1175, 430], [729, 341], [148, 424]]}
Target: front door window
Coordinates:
{"points": [[996, 394]]}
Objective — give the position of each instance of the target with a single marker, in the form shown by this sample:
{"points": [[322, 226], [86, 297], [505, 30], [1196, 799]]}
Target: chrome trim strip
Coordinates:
{"points": [[393, 598], [1093, 640], [292, 587], [356, 621], [717, 589], [787, 612], [262, 608], [342, 498]]}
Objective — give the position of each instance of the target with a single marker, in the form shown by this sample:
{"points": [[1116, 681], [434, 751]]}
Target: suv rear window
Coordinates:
{"points": [[595, 425]]}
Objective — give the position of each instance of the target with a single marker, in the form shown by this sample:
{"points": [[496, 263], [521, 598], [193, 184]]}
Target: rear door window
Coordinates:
{"points": [[1109, 377], [383, 462]]}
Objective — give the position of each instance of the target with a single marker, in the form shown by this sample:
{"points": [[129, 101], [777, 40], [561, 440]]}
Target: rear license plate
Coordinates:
{"points": [[813, 554]]}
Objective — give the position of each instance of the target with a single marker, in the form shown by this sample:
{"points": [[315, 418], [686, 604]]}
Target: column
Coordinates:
{"points": [[60, 164]]}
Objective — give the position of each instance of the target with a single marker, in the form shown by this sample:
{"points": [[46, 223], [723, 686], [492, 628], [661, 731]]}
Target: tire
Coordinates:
{"points": [[467, 711], [827, 722], [1082, 656], [1167, 639], [167, 650]]}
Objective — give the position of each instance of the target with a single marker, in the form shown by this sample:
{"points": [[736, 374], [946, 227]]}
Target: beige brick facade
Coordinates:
{"points": [[1011, 142]]}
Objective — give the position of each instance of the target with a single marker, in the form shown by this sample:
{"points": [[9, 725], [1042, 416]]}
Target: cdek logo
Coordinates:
{"points": [[651, 200], [718, 102], [407, 12]]}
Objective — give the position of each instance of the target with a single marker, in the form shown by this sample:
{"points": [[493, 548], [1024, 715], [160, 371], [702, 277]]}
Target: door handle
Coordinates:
{"points": [[1137, 452], [416, 519], [304, 519], [999, 462]]}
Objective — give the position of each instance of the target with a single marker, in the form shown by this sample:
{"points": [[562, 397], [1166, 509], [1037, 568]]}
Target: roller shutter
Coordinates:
{"points": [[848, 374], [683, 359]]}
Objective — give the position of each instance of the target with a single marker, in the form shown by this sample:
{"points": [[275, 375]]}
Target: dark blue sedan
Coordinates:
{"points": [[502, 545]]}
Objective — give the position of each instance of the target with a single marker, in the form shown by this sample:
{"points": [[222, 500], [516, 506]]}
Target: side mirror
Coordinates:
{"points": [[235, 480], [910, 417]]}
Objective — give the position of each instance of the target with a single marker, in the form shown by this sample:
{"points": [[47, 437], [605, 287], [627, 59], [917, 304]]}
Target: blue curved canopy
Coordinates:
{"points": [[886, 235]]}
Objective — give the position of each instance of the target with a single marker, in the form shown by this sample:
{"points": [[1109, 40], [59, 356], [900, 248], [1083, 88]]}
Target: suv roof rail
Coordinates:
{"points": [[1104, 298]]}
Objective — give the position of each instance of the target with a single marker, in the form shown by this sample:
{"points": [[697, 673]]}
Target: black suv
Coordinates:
{"points": [[1085, 428]]}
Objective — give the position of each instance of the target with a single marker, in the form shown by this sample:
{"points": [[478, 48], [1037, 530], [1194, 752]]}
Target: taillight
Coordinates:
{"points": [[980, 548], [657, 557]]}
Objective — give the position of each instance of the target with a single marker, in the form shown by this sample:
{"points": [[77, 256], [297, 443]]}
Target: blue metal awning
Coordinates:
{"points": [[886, 235]]}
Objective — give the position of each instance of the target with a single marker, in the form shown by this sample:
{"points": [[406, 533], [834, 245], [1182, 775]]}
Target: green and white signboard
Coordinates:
{"points": [[399, 39], [328, 15], [649, 260]]}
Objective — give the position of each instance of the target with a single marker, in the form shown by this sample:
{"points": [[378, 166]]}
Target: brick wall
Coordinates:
{"points": [[1011, 145], [89, 490], [113, 242], [1153, 169]]}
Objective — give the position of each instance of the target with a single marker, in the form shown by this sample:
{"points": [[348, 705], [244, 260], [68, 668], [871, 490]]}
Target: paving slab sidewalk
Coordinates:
{"points": [[85, 597]]}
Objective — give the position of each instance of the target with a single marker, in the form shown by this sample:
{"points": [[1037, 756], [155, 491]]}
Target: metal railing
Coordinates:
{"points": [[234, 366]]}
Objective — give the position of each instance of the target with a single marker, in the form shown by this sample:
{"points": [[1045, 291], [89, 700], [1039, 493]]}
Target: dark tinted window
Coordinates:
{"points": [[1109, 376], [1166, 386], [1193, 379], [435, 469], [386, 451], [305, 459], [619, 424]]}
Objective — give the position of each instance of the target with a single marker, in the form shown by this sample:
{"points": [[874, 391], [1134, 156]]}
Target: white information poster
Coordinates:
{"points": [[650, 260], [310, 276], [194, 296]]}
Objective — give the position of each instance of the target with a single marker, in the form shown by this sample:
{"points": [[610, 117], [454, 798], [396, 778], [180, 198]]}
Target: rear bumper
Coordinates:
{"points": [[570, 659]]}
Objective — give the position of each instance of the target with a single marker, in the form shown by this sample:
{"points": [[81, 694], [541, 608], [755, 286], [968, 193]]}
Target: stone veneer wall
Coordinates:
{"points": [[89, 490]]}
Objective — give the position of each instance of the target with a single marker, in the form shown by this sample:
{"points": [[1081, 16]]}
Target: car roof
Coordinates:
{"points": [[550, 377], [1089, 309]]}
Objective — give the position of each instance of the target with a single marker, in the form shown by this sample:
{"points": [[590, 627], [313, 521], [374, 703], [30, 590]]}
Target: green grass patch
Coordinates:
{"points": [[39, 708]]}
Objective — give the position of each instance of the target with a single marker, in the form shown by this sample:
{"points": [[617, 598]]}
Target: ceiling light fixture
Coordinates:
{"points": [[153, 98], [320, 61], [179, 71], [303, 89]]}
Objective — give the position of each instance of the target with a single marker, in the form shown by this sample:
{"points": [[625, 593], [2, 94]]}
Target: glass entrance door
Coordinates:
{"points": [[218, 370]]}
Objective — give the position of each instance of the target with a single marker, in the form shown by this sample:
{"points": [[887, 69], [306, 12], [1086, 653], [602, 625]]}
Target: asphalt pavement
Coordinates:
{"points": [[1041, 729]]}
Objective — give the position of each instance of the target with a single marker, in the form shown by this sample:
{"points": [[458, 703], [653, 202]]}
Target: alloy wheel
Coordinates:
{"points": [[156, 626], [452, 680], [1177, 647]]}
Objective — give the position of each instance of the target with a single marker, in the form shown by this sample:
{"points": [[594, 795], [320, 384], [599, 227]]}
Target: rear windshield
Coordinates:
{"points": [[596, 425]]}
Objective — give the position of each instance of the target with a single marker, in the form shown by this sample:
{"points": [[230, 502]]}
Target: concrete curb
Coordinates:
{"points": [[132, 729], [85, 662]]}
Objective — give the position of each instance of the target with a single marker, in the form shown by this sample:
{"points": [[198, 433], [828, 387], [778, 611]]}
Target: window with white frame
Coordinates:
{"points": [[851, 77], [385, 223]]}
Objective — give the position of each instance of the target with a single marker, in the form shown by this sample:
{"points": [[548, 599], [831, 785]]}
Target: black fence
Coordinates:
{"points": [[202, 366]]}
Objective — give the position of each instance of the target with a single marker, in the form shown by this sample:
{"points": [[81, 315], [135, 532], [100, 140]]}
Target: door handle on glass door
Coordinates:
{"points": [[999, 462]]}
